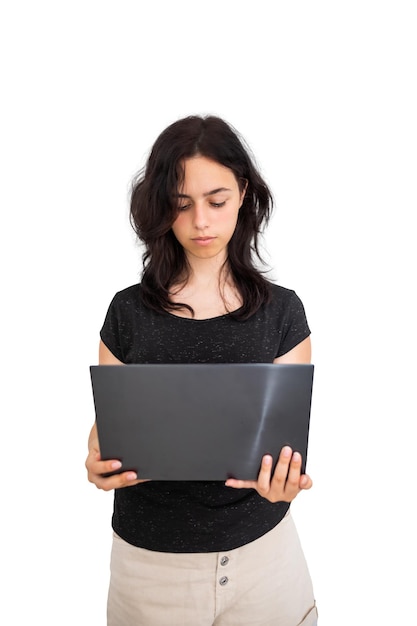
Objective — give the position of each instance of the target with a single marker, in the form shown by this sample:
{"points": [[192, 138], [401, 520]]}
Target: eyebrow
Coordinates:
{"points": [[209, 193]]}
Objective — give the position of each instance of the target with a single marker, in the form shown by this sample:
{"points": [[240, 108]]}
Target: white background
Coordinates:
{"points": [[325, 94]]}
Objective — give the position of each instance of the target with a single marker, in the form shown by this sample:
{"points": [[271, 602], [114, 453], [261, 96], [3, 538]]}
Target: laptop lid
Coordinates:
{"points": [[201, 421]]}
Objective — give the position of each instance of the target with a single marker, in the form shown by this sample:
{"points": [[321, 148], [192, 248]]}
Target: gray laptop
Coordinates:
{"points": [[201, 421]]}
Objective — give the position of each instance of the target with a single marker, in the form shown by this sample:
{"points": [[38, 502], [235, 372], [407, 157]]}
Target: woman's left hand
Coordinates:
{"points": [[285, 483]]}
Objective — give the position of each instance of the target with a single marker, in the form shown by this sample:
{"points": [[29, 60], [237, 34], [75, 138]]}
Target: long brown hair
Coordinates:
{"points": [[153, 209]]}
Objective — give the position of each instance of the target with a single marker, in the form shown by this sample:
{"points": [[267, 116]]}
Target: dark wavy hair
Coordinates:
{"points": [[154, 207]]}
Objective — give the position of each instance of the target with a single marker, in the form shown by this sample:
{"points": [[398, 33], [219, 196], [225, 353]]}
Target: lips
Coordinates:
{"points": [[203, 241]]}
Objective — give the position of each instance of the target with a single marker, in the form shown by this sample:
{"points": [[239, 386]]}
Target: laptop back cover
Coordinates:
{"points": [[201, 421]]}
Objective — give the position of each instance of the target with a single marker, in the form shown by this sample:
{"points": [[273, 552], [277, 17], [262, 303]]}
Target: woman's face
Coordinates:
{"points": [[208, 205]]}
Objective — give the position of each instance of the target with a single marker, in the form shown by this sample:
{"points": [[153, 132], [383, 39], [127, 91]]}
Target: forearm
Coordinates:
{"points": [[93, 438]]}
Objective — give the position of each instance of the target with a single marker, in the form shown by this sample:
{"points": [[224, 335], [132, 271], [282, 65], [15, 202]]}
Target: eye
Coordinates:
{"points": [[184, 207], [218, 205]]}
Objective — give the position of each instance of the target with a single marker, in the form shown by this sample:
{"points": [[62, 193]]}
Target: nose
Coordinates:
{"points": [[200, 216]]}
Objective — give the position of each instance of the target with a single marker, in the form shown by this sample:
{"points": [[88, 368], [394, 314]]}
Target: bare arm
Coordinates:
{"points": [[287, 481], [95, 466]]}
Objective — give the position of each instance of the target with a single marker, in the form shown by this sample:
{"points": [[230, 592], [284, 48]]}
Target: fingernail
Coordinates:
{"points": [[131, 476], [116, 465], [296, 456], [286, 451], [268, 460]]}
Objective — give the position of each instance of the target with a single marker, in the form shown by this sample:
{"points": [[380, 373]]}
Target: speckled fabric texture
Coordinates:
{"points": [[171, 516]]}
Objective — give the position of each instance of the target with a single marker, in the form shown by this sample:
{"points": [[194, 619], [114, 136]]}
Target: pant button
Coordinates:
{"points": [[223, 580]]}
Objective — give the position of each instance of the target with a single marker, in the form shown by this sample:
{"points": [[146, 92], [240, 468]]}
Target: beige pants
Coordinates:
{"points": [[264, 583]]}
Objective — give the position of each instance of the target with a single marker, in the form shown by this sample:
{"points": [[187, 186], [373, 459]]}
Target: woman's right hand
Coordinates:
{"points": [[94, 464], [96, 468]]}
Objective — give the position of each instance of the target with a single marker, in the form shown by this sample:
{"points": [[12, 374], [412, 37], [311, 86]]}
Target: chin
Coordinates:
{"points": [[206, 253]]}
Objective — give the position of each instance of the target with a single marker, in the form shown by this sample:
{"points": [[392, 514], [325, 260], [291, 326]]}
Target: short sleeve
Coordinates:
{"points": [[111, 332], [294, 327]]}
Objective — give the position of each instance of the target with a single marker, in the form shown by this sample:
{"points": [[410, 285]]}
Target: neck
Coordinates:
{"points": [[209, 290], [213, 270]]}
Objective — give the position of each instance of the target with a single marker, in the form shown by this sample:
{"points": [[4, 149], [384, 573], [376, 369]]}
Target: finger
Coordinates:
{"points": [[92, 456], [294, 472], [101, 473], [305, 482], [264, 476], [117, 481], [96, 466], [281, 471], [241, 484]]}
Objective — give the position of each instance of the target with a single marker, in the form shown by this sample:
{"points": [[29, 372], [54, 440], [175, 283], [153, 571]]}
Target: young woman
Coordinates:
{"points": [[204, 553]]}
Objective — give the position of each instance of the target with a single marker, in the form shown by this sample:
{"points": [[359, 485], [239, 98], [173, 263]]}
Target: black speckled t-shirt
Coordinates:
{"points": [[186, 516]]}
